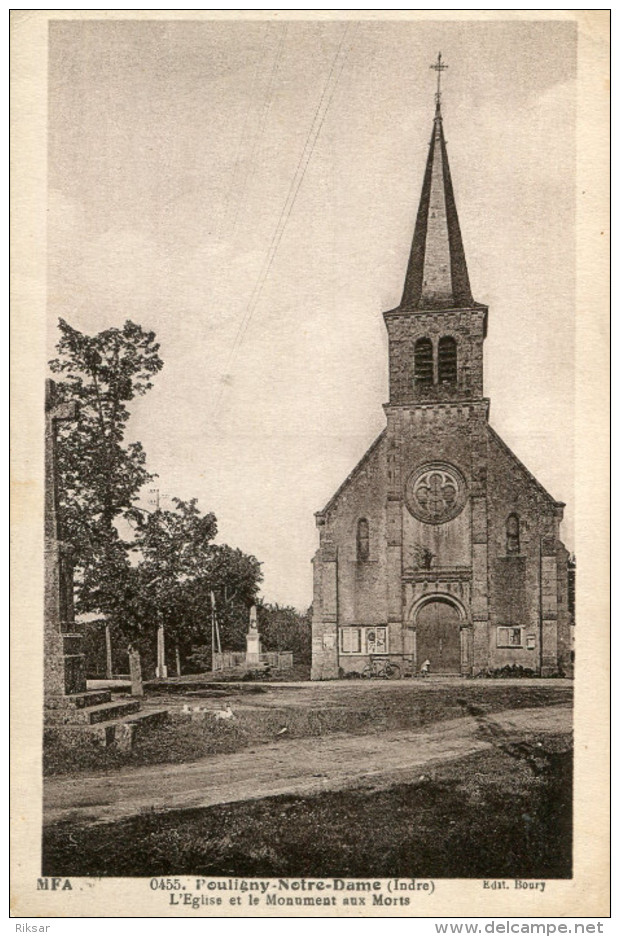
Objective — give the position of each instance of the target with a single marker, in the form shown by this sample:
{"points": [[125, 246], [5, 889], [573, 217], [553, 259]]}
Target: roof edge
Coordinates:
{"points": [[351, 474], [432, 310], [508, 450]]}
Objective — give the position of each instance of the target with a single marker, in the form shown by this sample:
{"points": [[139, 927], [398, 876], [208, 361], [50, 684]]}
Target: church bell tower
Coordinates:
{"points": [[437, 331], [436, 515]]}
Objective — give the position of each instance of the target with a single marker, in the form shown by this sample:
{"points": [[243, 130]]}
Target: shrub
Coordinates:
{"points": [[511, 670]]}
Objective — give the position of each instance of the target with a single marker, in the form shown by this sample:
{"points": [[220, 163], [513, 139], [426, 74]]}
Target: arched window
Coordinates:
{"points": [[423, 361], [512, 534], [446, 360], [363, 539]]}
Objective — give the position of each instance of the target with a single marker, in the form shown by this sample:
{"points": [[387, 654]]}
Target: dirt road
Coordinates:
{"points": [[296, 766]]}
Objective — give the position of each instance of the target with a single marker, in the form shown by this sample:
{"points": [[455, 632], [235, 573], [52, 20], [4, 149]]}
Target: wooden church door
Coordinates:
{"points": [[438, 637]]}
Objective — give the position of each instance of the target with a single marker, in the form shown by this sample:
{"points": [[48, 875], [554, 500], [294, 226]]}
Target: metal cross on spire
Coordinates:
{"points": [[439, 68]]}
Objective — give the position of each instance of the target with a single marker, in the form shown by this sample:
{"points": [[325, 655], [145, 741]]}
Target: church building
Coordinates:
{"points": [[440, 546]]}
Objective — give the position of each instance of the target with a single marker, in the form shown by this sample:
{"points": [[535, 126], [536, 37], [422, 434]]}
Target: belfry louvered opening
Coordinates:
{"points": [[423, 361], [446, 360]]}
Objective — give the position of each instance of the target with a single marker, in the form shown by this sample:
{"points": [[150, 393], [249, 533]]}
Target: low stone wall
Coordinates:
{"points": [[236, 660]]}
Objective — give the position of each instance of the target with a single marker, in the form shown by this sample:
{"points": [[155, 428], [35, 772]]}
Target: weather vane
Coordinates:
{"points": [[439, 68]]}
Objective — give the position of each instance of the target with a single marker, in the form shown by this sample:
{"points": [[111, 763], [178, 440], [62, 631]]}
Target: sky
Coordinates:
{"points": [[248, 191]]}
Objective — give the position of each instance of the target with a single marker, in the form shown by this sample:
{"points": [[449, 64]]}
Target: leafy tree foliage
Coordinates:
{"points": [[236, 576], [283, 628], [100, 474], [168, 573], [182, 570]]}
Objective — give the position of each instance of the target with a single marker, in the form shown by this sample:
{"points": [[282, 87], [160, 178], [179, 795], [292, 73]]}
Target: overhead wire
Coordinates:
{"points": [[260, 130], [220, 224], [322, 108]]}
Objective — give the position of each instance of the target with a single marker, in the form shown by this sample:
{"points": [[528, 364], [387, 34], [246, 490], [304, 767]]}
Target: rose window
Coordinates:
{"points": [[435, 493]]}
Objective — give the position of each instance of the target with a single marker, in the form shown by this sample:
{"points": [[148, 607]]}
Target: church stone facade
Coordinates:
{"points": [[440, 545]]}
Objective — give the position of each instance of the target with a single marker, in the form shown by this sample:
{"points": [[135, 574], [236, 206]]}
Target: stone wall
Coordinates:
{"points": [[529, 587], [350, 590], [472, 565]]}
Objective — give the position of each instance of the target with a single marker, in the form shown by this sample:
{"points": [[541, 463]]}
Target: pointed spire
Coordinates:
{"points": [[437, 273]]}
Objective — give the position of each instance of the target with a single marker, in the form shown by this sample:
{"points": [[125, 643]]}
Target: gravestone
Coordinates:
{"points": [[64, 669]]}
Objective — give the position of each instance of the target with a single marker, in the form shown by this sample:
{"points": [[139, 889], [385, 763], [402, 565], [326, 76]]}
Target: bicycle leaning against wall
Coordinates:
{"points": [[381, 667]]}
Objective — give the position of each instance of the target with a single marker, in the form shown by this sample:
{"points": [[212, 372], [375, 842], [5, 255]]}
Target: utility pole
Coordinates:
{"points": [[161, 671], [108, 652]]}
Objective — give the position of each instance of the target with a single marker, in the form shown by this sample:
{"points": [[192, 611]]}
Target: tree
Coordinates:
{"points": [[175, 549], [100, 475], [170, 570], [283, 628], [116, 589], [182, 570], [235, 577]]}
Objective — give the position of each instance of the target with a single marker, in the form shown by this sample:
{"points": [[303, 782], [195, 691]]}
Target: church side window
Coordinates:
{"points": [[512, 534], [446, 360], [509, 637], [363, 539], [423, 361]]}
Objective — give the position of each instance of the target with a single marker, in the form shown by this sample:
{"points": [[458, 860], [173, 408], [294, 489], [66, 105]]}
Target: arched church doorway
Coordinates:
{"points": [[438, 637]]}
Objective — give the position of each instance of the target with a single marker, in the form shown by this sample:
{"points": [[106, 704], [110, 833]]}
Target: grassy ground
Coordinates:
{"points": [[304, 712], [503, 813]]}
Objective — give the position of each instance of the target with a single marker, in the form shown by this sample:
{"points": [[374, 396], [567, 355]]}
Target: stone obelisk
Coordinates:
{"points": [[252, 655]]}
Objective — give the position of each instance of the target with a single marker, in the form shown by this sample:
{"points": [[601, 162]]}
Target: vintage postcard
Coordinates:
{"points": [[310, 481]]}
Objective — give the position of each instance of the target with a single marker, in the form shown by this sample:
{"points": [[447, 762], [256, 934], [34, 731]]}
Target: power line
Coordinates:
{"points": [[260, 130], [223, 212], [333, 77]]}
